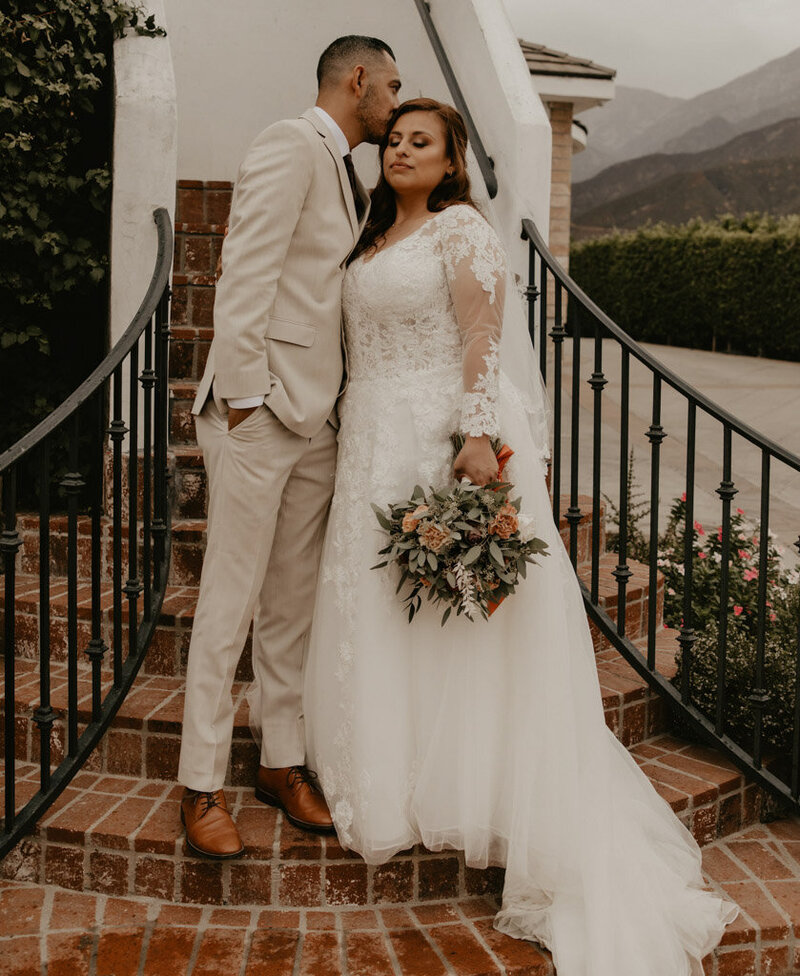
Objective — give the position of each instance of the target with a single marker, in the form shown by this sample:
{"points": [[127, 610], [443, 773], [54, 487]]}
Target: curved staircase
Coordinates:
{"points": [[105, 885]]}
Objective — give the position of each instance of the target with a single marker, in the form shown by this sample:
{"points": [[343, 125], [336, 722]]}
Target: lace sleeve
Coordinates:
{"points": [[475, 267]]}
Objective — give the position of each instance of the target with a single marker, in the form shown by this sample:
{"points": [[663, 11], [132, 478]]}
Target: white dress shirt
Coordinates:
{"points": [[245, 403]]}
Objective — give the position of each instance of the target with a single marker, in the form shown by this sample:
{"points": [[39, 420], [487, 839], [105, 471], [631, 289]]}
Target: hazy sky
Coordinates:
{"points": [[678, 47]]}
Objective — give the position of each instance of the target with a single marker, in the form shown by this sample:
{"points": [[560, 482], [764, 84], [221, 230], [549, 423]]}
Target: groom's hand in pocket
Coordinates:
{"points": [[236, 416]]}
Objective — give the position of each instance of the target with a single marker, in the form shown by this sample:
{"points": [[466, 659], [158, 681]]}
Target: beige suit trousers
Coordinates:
{"points": [[270, 491]]}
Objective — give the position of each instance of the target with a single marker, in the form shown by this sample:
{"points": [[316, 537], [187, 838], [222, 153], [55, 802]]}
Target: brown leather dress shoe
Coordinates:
{"points": [[294, 790], [210, 830]]}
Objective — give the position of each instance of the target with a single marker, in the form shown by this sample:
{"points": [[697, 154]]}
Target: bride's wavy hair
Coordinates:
{"points": [[452, 189]]}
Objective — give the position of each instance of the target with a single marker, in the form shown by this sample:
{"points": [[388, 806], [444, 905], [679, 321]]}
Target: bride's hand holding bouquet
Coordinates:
{"points": [[469, 547]]}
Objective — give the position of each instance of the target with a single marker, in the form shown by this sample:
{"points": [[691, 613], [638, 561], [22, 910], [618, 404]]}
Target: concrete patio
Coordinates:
{"points": [[762, 393]]}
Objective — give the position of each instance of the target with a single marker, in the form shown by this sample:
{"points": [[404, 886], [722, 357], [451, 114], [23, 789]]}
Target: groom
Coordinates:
{"points": [[266, 424]]}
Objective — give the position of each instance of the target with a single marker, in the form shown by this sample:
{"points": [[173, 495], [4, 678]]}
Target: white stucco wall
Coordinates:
{"points": [[145, 163], [241, 65]]}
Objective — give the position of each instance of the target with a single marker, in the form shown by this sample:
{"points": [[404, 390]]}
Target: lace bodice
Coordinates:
{"points": [[429, 304]]}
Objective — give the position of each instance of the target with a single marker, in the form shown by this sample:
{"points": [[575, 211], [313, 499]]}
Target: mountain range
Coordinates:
{"points": [[638, 122], [733, 149]]}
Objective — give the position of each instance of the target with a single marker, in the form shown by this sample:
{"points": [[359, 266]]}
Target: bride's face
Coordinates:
{"points": [[415, 159]]}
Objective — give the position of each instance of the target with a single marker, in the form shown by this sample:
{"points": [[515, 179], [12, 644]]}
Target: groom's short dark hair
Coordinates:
{"points": [[345, 52]]}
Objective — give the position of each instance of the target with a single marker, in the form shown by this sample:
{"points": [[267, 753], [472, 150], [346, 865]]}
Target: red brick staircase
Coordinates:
{"points": [[105, 885]]}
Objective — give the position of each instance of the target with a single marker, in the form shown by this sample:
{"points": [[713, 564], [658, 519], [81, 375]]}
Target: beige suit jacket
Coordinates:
{"points": [[277, 311]]}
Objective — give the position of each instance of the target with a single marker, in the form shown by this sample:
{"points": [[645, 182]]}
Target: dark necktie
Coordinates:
{"points": [[351, 175]]}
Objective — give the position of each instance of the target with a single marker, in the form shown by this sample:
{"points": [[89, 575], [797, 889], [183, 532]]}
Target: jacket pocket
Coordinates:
{"points": [[283, 330]]}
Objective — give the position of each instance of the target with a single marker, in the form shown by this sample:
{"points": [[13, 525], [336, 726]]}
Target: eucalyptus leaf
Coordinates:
{"points": [[496, 554], [472, 555]]}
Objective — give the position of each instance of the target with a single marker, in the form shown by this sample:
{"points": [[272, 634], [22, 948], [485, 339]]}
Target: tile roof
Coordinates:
{"points": [[545, 61]]}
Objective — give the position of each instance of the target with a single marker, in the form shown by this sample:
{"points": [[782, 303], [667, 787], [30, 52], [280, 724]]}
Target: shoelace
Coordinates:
{"points": [[209, 800], [298, 775]]}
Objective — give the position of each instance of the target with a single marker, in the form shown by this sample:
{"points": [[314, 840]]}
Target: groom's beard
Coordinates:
{"points": [[371, 117]]}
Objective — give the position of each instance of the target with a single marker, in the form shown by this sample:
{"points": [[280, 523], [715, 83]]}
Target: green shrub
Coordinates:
{"points": [[730, 284], [783, 607], [780, 674], [55, 179]]}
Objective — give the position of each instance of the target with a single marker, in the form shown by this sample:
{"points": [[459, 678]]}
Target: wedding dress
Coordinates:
{"points": [[487, 737]]}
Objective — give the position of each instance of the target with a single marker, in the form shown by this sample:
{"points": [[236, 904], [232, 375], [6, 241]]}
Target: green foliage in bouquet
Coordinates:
{"points": [[468, 548]]}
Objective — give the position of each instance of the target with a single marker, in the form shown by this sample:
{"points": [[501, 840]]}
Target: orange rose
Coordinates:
{"points": [[505, 523], [434, 537], [412, 519]]}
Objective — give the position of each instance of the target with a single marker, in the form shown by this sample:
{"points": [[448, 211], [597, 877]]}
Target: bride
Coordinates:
{"points": [[483, 736]]}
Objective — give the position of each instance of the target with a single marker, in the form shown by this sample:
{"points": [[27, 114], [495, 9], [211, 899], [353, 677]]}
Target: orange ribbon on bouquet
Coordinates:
{"points": [[503, 456]]}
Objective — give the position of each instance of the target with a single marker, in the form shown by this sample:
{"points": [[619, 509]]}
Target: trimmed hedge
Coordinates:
{"points": [[731, 284]]}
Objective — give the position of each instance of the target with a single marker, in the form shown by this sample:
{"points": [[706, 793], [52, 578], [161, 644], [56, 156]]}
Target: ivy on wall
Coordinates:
{"points": [[731, 284], [55, 177]]}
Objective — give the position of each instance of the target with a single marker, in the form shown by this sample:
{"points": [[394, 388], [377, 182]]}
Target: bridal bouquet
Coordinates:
{"points": [[468, 547]]}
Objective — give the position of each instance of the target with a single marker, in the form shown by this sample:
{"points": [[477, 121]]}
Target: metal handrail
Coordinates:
{"points": [[553, 299], [531, 233], [485, 161], [105, 369], [98, 404]]}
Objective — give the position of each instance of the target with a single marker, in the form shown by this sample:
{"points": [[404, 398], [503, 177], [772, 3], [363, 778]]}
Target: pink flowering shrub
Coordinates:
{"points": [[782, 609], [743, 571]]}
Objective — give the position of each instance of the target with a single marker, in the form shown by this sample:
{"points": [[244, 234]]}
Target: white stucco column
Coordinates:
{"points": [[509, 115], [144, 162]]}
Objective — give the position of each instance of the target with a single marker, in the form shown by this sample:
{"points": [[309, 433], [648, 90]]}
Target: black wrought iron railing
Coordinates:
{"points": [[561, 319], [563, 322], [103, 557]]}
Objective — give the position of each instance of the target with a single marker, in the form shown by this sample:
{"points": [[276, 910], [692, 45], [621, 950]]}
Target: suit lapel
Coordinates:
{"points": [[333, 149]]}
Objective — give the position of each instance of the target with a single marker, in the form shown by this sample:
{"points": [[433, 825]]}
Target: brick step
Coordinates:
{"points": [[144, 738], [73, 902], [121, 834], [137, 934], [188, 534], [189, 544], [170, 644]]}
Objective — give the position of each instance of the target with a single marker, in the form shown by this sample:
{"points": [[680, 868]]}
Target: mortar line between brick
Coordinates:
{"points": [[432, 943], [248, 942], [298, 953], [249, 935], [44, 926], [340, 939], [768, 894], [152, 713], [467, 922], [90, 844], [783, 855], [202, 928], [149, 928], [384, 930], [100, 902], [157, 803], [275, 870]]}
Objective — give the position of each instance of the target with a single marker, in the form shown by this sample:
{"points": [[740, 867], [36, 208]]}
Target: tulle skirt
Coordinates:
{"points": [[489, 737]]}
